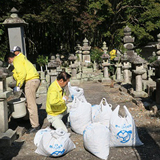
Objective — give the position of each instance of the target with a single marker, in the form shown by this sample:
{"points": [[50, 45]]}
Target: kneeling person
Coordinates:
{"points": [[55, 105]]}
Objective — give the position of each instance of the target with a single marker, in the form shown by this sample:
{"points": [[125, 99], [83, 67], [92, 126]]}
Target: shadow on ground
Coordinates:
{"points": [[150, 150], [10, 152]]}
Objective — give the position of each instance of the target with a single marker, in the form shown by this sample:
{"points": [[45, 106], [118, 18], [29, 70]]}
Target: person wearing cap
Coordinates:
{"points": [[56, 107], [25, 73]]}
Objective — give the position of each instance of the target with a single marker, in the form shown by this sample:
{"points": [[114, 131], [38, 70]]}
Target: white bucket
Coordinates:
{"points": [[18, 107]]}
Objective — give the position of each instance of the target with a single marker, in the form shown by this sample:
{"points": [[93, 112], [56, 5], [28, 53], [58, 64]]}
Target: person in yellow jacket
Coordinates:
{"points": [[25, 73], [56, 101]]}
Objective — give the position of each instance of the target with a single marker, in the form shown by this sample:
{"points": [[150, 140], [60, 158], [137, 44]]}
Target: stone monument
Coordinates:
{"points": [[15, 27]]}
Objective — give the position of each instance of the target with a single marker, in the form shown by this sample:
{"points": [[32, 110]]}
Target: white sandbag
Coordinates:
{"points": [[102, 112], [80, 115], [55, 143], [96, 140], [76, 92], [123, 130], [39, 135]]}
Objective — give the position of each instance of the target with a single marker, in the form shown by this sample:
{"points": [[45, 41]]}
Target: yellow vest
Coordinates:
{"points": [[55, 105], [24, 70]]}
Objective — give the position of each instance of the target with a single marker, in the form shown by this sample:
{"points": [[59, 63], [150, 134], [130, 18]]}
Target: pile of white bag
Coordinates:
{"points": [[53, 143], [101, 126]]}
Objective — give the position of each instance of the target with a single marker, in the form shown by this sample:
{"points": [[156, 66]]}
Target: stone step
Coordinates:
{"points": [[7, 138]]}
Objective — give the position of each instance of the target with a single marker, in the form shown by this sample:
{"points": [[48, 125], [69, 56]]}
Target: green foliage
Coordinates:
{"points": [[152, 59], [41, 60], [138, 51], [53, 22], [46, 60], [96, 54]]}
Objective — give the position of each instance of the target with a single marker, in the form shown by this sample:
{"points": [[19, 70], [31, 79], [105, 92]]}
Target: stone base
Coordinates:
{"points": [[139, 94], [106, 81], [7, 138], [126, 83], [119, 80]]}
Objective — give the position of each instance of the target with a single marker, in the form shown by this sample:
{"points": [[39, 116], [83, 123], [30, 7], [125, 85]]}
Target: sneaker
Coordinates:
{"points": [[33, 130]]}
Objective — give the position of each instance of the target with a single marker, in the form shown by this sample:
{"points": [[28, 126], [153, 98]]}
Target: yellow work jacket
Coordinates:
{"points": [[55, 104], [24, 70]]}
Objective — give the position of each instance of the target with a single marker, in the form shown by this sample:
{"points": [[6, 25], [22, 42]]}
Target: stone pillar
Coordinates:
{"points": [[119, 72], [119, 78], [52, 65], [138, 82], [16, 34], [3, 115], [126, 78], [74, 80], [4, 94], [74, 71], [106, 75]]}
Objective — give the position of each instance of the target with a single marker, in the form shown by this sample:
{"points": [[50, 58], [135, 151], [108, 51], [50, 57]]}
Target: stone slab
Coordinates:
{"points": [[7, 138], [20, 131], [139, 94]]}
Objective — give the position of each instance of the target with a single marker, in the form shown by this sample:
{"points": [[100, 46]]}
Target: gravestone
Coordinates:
{"points": [[15, 26]]}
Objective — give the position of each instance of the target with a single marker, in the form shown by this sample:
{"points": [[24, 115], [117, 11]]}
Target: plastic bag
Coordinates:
{"points": [[55, 143], [76, 92], [123, 130], [102, 112], [39, 135], [80, 115], [96, 140]]}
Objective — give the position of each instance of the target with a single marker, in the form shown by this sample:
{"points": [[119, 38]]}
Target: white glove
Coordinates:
{"points": [[16, 89], [64, 97]]}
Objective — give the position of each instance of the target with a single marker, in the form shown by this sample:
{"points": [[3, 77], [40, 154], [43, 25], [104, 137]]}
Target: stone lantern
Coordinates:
{"points": [[58, 60], [138, 72], [72, 58], [52, 65], [86, 51], [78, 51], [15, 27], [105, 57]]}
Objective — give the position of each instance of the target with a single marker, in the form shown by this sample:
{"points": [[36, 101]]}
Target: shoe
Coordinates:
{"points": [[33, 130]]}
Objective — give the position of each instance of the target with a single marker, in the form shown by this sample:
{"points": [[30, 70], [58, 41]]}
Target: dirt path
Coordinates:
{"points": [[148, 129]]}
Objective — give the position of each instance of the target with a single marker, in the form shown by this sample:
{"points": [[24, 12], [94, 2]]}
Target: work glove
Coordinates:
{"points": [[65, 98], [16, 89]]}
